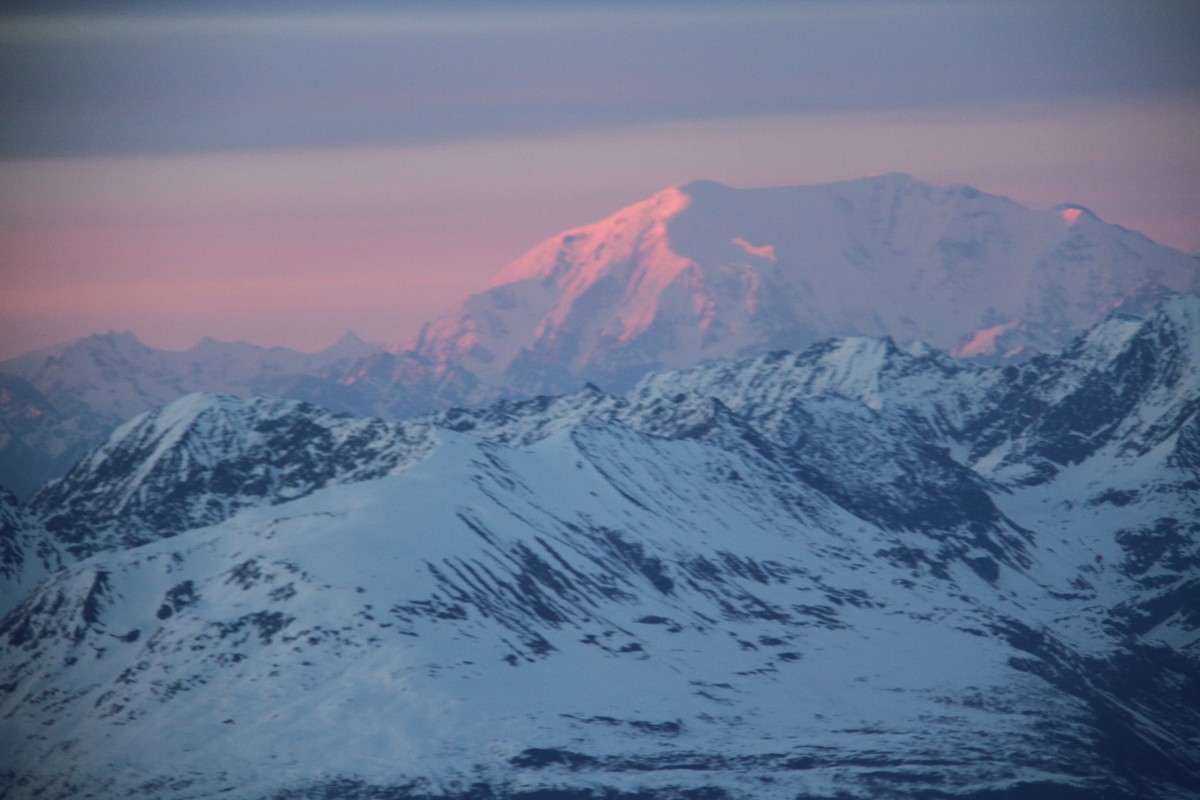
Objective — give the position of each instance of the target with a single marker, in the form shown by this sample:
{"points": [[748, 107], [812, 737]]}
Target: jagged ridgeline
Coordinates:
{"points": [[694, 273], [855, 570]]}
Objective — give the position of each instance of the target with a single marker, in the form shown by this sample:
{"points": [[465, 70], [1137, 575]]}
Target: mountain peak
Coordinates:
{"points": [[120, 341], [1179, 318], [703, 186], [123, 337], [349, 338], [1071, 213], [1176, 318], [708, 189], [703, 271], [899, 178], [184, 411], [198, 459]]}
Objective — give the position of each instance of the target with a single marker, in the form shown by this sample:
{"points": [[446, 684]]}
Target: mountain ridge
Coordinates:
{"points": [[703, 270], [807, 574], [696, 272], [57, 402], [926, 389]]}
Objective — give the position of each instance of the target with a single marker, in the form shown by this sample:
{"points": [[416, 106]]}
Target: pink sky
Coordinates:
{"points": [[287, 243]]}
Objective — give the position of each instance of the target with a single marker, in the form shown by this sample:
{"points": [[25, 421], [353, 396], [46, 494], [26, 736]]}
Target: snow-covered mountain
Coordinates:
{"points": [[853, 571], [57, 402], [201, 458], [704, 271], [695, 273]]}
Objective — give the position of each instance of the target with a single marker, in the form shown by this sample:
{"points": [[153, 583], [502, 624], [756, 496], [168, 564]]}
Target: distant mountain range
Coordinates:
{"points": [[855, 571], [57, 402], [695, 273]]}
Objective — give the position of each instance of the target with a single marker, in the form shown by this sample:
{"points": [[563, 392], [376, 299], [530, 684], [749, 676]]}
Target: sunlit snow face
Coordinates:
{"points": [[1071, 215], [766, 251]]}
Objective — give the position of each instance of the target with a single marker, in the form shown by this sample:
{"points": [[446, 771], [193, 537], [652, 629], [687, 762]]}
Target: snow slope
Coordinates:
{"points": [[855, 571]]}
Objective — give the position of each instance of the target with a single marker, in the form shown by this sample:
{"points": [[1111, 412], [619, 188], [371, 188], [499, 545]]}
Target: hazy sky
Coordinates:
{"points": [[285, 172]]}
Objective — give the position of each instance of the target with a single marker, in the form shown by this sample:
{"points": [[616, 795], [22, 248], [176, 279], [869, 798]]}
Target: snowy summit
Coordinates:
{"points": [[704, 271]]}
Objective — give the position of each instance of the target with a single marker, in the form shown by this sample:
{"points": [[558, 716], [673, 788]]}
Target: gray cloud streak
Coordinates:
{"points": [[138, 82]]}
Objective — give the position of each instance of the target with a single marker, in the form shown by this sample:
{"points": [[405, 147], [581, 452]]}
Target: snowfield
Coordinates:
{"points": [[851, 571]]}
